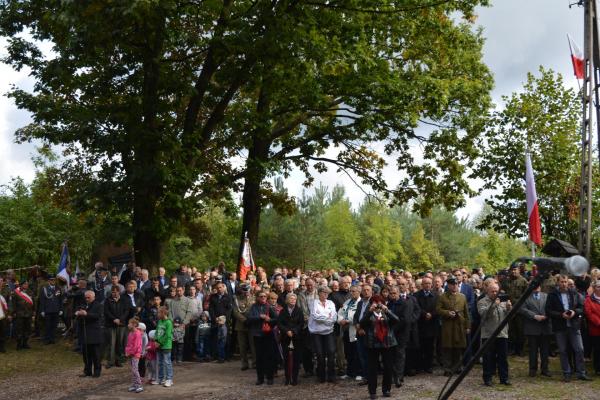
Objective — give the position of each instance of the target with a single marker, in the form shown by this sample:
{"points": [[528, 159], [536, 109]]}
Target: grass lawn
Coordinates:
{"points": [[38, 359]]}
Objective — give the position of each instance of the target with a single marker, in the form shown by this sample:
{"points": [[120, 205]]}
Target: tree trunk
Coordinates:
{"points": [[147, 244], [251, 198]]}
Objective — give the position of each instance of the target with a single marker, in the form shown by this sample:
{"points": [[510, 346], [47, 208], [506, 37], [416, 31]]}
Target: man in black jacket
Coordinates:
{"points": [[116, 312], [428, 325], [220, 304], [90, 319], [135, 299], [565, 308]]}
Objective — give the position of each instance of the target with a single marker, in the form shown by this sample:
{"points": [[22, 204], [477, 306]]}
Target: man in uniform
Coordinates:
{"points": [[453, 310], [21, 311], [242, 302], [514, 287], [51, 308]]}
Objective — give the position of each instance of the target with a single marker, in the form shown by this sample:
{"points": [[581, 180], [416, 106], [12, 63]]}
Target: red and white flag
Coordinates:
{"points": [[533, 215], [246, 261], [576, 58]]}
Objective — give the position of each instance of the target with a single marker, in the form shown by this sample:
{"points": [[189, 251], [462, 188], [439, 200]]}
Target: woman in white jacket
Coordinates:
{"points": [[348, 332], [320, 325]]}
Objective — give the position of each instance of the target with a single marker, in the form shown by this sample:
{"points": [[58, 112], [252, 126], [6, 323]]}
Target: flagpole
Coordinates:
{"points": [[532, 249]]}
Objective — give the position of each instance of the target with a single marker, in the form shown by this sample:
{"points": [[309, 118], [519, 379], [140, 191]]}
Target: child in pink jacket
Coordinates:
{"points": [[133, 350]]}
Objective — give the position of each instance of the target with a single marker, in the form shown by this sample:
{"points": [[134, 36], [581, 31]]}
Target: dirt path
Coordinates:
{"points": [[228, 382]]}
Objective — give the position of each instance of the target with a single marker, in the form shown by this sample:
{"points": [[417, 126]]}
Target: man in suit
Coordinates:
{"points": [[231, 283], [565, 308], [144, 282], [428, 325], [90, 319], [135, 298], [413, 312], [361, 336], [162, 277], [537, 329]]}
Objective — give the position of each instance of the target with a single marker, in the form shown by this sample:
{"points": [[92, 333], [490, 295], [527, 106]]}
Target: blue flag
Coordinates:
{"points": [[62, 265]]}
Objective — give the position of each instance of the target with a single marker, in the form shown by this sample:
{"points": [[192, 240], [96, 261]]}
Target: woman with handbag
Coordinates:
{"points": [[261, 320], [291, 321]]}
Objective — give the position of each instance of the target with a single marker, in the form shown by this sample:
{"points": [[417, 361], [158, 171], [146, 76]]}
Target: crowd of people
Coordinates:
{"points": [[330, 324]]}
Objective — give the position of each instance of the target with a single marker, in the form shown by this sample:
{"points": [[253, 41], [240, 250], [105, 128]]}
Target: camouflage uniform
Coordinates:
{"points": [[514, 288], [22, 312], [241, 306]]}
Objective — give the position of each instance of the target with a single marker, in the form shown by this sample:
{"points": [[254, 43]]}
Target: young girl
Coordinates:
{"points": [[203, 337], [151, 362], [133, 350], [164, 340]]}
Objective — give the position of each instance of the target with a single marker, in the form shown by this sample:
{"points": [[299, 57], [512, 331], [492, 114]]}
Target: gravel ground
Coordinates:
{"points": [[227, 382]]}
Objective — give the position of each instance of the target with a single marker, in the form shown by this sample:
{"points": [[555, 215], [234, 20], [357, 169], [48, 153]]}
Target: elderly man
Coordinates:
{"points": [[90, 318], [537, 329], [492, 311], [453, 309], [565, 308], [428, 324]]}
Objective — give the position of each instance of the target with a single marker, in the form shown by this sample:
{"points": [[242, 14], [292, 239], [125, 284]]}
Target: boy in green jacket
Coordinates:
{"points": [[164, 341]]}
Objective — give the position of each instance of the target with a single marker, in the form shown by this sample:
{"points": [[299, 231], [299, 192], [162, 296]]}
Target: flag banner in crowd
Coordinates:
{"points": [[576, 58], [64, 262], [533, 216], [246, 261]]}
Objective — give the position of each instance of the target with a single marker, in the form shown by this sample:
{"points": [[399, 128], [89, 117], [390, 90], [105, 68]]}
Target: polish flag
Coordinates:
{"points": [[577, 58], [533, 215], [246, 261]]}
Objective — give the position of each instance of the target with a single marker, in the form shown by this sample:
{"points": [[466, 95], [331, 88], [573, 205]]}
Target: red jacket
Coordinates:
{"points": [[592, 314]]}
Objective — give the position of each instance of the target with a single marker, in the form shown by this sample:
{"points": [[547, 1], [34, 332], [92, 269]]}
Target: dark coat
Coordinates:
{"points": [[138, 297], [120, 310], [219, 306], [427, 328], [255, 322], [529, 310], [368, 324], [554, 309], [359, 308], [467, 290], [51, 300], [92, 324], [408, 313], [290, 322]]}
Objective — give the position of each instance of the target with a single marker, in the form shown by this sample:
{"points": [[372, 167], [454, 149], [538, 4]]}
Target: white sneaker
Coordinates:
{"points": [[162, 382], [131, 389], [168, 383], [344, 377], [139, 389], [358, 378], [156, 383]]}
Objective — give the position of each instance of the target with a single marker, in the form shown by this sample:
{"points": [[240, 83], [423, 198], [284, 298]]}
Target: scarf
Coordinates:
{"points": [[24, 296], [381, 329], [595, 298]]}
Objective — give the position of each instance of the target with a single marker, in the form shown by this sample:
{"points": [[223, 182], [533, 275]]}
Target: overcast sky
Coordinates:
{"points": [[520, 36]]}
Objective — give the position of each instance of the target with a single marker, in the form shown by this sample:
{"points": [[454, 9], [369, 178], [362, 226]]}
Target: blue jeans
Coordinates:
{"points": [[202, 346], [570, 337], [164, 365], [221, 347]]}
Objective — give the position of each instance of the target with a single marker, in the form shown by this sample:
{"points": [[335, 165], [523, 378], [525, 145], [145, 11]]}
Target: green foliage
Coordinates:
{"points": [[495, 251], [151, 110], [423, 254], [545, 119], [32, 228]]}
